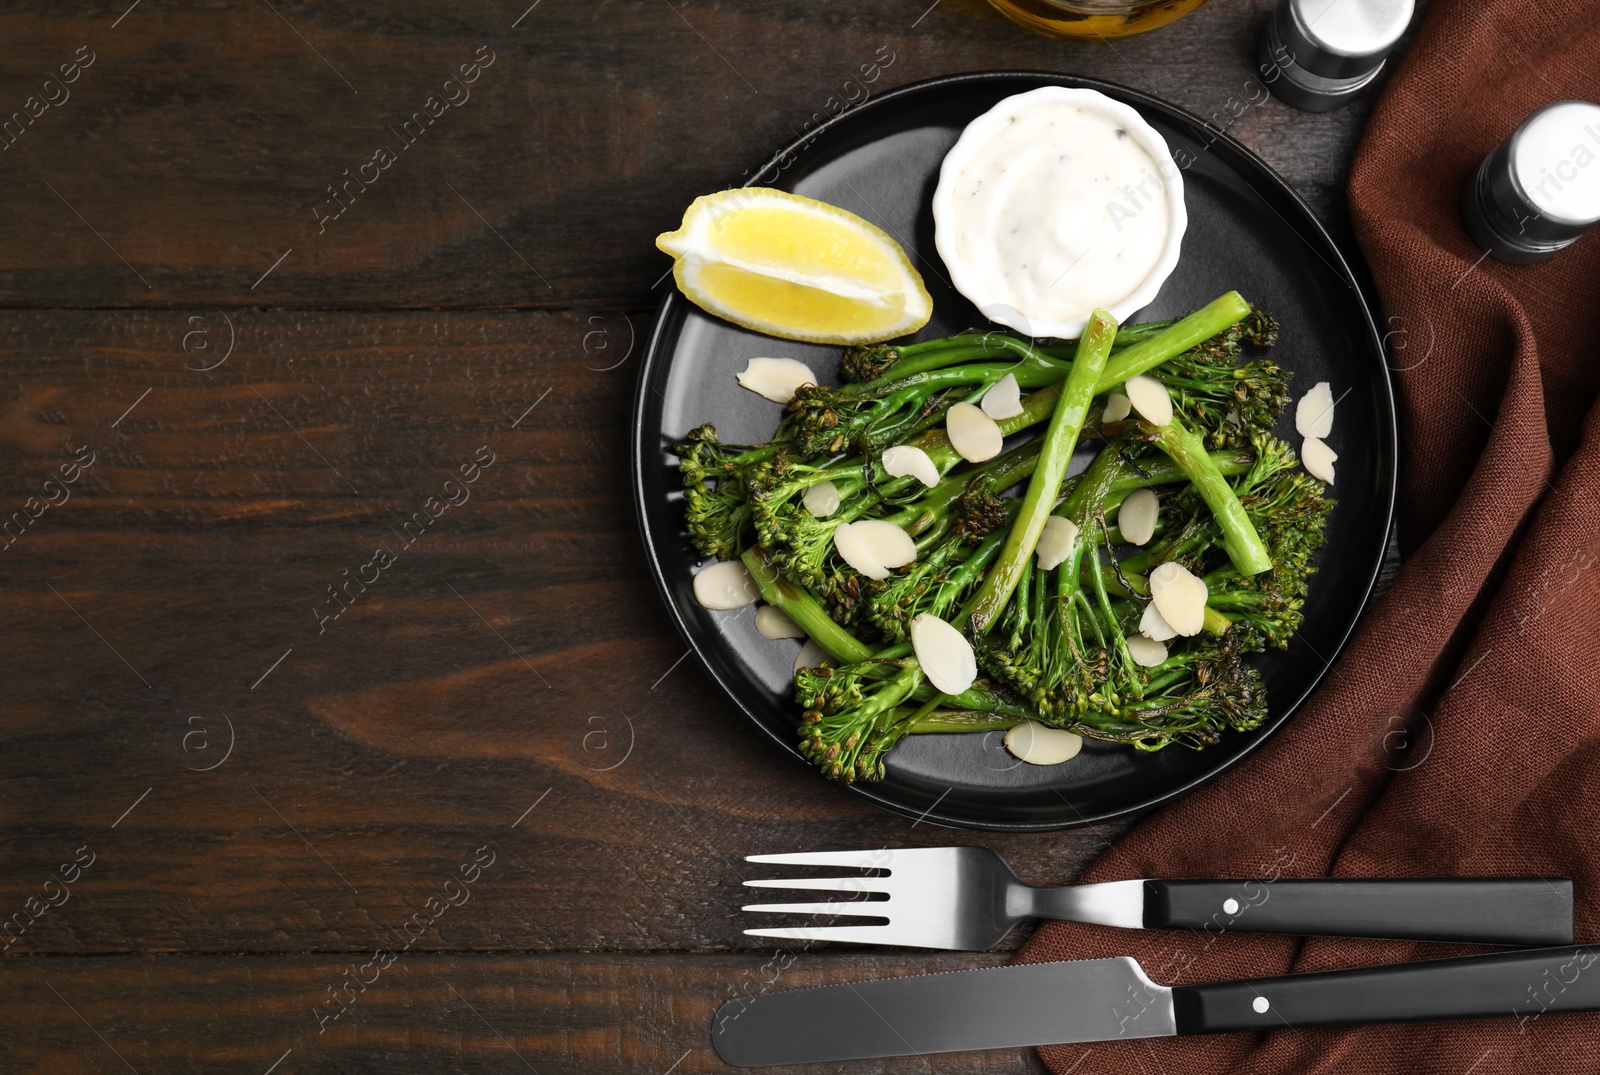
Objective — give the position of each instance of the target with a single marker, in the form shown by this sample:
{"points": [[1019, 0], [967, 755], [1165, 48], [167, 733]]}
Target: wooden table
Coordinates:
{"points": [[283, 287]]}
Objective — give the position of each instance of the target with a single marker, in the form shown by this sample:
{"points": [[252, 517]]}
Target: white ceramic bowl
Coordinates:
{"points": [[978, 132]]}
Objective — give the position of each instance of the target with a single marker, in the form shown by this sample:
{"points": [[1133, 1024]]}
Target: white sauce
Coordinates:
{"points": [[1060, 209]]}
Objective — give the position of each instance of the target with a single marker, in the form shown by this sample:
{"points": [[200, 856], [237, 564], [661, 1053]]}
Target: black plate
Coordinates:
{"points": [[1247, 230]]}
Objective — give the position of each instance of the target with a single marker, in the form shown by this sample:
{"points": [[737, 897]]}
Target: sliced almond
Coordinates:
{"points": [[1318, 458], [905, 459], [1117, 408], [1137, 516], [1153, 627], [1313, 415], [1004, 398], [973, 434], [886, 543], [774, 622], [1055, 541], [725, 585], [822, 499], [1164, 576], [852, 549], [812, 655], [1180, 597], [944, 653], [1040, 744], [1149, 397], [776, 378], [1146, 652]]}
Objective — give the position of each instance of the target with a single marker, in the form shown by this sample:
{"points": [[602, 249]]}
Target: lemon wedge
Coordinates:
{"points": [[795, 268]]}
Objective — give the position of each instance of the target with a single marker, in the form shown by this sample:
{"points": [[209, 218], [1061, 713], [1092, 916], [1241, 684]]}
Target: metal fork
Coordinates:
{"points": [[967, 899]]}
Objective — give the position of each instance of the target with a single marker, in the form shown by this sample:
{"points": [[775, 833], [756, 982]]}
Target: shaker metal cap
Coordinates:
{"points": [[1342, 38], [1553, 159], [1318, 54], [1540, 189]]}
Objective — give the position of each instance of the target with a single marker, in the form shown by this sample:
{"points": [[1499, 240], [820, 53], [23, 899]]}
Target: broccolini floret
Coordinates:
{"points": [[1052, 643]]}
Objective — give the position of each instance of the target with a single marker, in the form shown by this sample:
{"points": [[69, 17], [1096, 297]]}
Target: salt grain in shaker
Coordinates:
{"points": [[1540, 190], [1318, 54]]}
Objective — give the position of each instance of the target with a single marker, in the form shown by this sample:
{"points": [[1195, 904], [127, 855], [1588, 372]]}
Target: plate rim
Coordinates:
{"points": [[1388, 421]]}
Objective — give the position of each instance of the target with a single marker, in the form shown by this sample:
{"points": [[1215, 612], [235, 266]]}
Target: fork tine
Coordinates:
{"points": [[869, 909], [879, 859], [824, 884], [849, 934]]}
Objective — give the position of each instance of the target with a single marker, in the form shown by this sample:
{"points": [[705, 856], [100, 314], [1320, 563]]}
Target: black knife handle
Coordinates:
{"points": [[1523, 985], [1527, 911]]}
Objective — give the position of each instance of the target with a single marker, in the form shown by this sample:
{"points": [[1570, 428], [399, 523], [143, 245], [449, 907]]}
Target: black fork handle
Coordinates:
{"points": [[1524, 911]]}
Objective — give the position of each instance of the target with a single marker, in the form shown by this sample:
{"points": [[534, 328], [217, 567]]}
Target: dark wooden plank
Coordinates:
{"points": [[421, 1013], [199, 146], [174, 596], [210, 804]]}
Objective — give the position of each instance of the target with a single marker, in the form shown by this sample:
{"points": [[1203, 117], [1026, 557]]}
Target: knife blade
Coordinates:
{"points": [[995, 1008], [1110, 999]]}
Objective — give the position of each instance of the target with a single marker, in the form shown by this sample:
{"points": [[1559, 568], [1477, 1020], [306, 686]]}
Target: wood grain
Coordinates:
{"points": [[223, 389], [424, 1012], [200, 145], [516, 647]]}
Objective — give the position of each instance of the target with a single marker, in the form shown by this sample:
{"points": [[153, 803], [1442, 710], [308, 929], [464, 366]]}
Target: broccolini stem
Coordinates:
{"points": [[1218, 314], [1244, 546], [1055, 452], [949, 352], [1144, 562], [1019, 463], [1034, 369], [803, 609], [922, 347], [965, 346], [753, 453], [963, 720], [1161, 472], [1166, 472], [922, 711], [1128, 335], [1113, 629], [845, 648], [967, 571], [978, 698], [1003, 471], [1215, 622], [1035, 409], [1088, 495]]}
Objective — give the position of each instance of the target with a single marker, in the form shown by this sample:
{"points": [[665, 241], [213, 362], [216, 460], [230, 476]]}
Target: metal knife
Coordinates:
{"points": [[1108, 999]]}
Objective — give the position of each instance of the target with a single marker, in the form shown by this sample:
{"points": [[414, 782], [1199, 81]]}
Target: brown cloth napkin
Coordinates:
{"points": [[1485, 653]]}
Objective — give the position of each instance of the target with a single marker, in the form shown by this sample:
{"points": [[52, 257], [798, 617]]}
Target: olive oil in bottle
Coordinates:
{"points": [[1092, 19]]}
